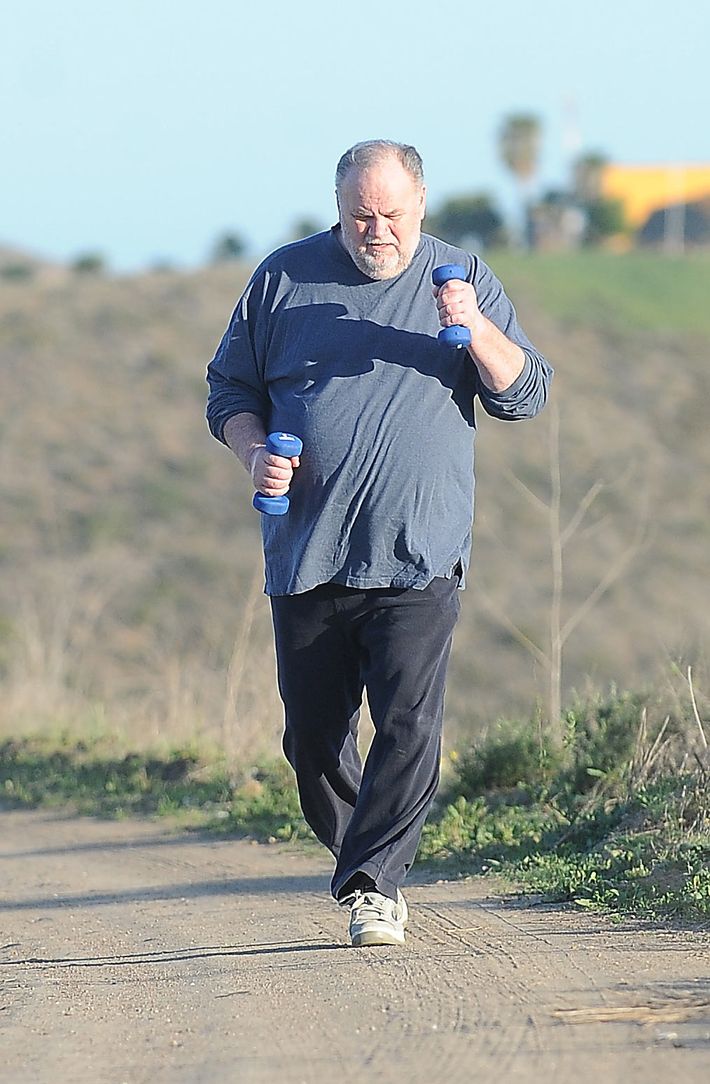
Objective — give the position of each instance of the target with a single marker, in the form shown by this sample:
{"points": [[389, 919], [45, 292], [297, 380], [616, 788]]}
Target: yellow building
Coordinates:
{"points": [[645, 189]]}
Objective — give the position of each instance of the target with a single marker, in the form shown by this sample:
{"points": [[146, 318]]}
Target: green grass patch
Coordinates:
{"points": [[94, 777], [646, 855], [625, 292]]}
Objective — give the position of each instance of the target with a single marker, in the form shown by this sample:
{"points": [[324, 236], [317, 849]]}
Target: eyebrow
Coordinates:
{"points": [[362, 211]]}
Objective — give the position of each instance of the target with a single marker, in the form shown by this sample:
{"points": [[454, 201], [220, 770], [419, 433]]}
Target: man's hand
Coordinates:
{"points": [[457, 304], [498, 360], [271, 474]]}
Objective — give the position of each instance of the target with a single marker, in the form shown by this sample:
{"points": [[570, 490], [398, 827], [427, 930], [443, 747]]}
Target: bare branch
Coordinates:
{"points": [[513, 629], [533, 498], [605, 583], [594, 528], [556, 570], [582, 508], [696, 713]]}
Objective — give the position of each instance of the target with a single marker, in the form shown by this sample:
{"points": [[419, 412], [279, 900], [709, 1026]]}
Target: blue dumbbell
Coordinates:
{"points": [[287, 445], [457, 334]]}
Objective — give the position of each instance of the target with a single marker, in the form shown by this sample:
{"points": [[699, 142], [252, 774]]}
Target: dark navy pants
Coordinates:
{"points": [[331, 643]]}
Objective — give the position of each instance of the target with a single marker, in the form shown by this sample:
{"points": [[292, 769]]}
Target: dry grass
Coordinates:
{"points": [[131, 589], [657, 1011]]}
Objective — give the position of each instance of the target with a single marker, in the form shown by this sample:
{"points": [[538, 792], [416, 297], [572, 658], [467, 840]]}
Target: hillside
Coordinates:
{"points": [[131, 586]]}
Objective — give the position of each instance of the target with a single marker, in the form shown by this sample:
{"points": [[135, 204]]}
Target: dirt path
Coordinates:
{"points": [[132, 954]]}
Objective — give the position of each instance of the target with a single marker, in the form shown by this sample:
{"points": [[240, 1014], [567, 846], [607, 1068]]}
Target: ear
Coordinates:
{"points": [[337, 204], [422, 205]]}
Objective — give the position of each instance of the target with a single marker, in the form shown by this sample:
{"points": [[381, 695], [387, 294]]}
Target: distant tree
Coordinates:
{"points": [[519, 144], [304, 227], [587, 173], [17, 272], [89, 263], [468, 221], [605, 218], [556, 221], [162, 264], [227, 247]]}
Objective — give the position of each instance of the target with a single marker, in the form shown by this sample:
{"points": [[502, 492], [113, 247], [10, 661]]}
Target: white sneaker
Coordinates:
{"points": [[376, 919]]}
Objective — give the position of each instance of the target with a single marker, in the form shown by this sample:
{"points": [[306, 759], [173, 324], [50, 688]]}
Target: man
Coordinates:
{"points": [[335, 341]]}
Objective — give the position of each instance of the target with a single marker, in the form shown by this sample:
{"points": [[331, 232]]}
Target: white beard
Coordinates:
{"points": [[378, 266]]}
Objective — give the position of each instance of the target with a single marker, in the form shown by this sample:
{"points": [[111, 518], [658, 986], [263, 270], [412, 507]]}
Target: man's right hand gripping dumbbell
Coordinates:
{"points": [[271, 467]]}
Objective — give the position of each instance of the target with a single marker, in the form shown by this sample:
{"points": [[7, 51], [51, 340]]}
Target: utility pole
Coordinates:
{"points": [[674, 214]]}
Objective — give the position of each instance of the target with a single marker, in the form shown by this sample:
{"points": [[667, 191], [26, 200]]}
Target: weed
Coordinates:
{"points": [[508, 756], [94, 777], [601, 735], [603, 820], [615, 818], [266, 806]]}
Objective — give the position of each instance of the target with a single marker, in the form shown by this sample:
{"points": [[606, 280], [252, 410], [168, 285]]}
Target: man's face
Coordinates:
{"points": [[381, 211]]}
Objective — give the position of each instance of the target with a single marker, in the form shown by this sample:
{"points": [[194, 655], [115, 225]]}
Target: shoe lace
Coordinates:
{"points": [[371, 905]]}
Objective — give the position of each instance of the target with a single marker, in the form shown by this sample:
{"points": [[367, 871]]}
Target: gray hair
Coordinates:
{"points": [[373, 151]]}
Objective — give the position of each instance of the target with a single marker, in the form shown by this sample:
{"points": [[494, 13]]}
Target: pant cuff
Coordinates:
{"points": [[372, 870]]}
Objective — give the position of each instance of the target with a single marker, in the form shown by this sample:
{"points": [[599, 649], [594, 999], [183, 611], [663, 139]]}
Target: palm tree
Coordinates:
{"points": [[519, 143]]}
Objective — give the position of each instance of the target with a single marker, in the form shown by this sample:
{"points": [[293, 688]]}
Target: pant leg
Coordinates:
{"points": [[321, 688], [405, 639]]}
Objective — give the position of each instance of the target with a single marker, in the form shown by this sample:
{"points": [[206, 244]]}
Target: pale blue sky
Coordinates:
{"points": [[145, 129]]}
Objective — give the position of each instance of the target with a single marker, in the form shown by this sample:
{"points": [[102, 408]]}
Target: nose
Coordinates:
{"points": [[378, 228]]}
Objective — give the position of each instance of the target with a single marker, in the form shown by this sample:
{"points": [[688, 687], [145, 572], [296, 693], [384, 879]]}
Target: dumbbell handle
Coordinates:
{"points": [[457, 334], [287, 445]]}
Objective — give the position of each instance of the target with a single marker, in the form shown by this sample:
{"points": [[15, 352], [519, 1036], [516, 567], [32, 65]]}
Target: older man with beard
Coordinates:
{"points": [[335, 340]]}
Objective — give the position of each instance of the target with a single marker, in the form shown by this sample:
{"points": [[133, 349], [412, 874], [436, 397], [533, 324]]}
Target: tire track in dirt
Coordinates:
{"points": [[133, 954]]}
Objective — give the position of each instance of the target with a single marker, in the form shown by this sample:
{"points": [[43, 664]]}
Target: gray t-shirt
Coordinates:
{"points": [[384, 493]]}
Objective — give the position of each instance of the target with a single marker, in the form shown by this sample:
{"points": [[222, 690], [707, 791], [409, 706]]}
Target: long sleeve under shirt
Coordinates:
{"points": [[384, 493]]}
